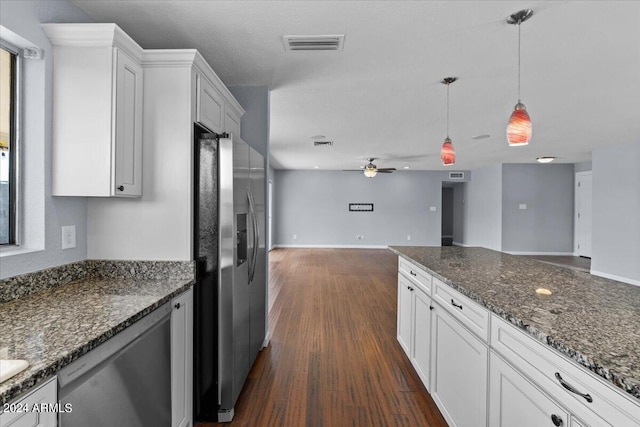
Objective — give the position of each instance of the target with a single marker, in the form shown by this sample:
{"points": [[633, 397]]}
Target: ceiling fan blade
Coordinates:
{"points": [[386, 169], [352, 170]]}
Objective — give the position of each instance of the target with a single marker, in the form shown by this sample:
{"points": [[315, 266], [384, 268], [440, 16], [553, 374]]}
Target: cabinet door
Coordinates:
{"points": [[404, 313], [232, 123], [24, 415], [514, 401], [421, 333], [458, 371], [127, 146], [210, 105], [182, 360]]}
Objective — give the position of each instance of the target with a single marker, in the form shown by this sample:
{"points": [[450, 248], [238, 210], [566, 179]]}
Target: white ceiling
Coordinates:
{"points": [[382, 97]]}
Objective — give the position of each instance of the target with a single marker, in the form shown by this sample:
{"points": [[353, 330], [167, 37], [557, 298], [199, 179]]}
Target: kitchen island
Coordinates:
{"points": [[52, 327], [592, 321]]}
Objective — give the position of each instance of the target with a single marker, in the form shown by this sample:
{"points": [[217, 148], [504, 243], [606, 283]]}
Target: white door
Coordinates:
{"points": [[583, 214]]}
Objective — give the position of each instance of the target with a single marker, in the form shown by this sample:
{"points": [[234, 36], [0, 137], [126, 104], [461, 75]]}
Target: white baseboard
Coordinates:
{"points": [[539, 253], [461, 244], [334, 246], [614, 277]]}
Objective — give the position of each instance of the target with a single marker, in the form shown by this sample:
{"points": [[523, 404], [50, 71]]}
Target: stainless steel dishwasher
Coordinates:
{"points": [[126, 381]]}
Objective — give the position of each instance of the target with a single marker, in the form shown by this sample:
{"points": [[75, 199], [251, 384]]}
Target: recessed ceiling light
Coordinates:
{"points": [[314, 137], [546, 159], [316, 167], [484, 136], [407, 167]]}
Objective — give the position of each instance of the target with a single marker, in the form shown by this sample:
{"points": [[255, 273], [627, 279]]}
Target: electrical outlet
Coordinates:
{"points": [[360, 237], [68, 236], [295, 236], [408, 236]]}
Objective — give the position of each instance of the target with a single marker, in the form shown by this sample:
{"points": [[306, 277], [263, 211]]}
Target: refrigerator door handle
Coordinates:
{"points": [[256, 239], [252, 235]]}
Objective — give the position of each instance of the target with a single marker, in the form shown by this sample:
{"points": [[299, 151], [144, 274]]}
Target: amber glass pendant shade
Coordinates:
{"points": [[447, 153], [519, 128]]}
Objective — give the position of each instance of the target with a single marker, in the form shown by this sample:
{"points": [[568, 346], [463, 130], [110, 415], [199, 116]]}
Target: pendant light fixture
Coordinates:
{"points": [[519, 127], [447, 153]]}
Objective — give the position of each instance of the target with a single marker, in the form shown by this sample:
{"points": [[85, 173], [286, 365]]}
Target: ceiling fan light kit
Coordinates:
{"points": [[519, 128], [447, 152], [370, 170]]}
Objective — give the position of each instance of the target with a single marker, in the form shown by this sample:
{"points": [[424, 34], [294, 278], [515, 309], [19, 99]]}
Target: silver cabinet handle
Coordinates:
{"points": [[572, 389]]}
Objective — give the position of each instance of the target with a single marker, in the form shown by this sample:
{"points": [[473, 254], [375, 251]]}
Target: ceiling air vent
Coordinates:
{"points": [[333, 42], [456, 175], [322, 143]]}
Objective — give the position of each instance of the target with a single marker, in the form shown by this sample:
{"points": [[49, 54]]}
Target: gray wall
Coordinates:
{"points": [[616, 209], [482, 221], [582, 167], [313, 205], [546, 225], [42, 214]]}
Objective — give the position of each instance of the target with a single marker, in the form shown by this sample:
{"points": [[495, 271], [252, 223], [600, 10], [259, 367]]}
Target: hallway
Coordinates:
{"points": [[333, 359]]}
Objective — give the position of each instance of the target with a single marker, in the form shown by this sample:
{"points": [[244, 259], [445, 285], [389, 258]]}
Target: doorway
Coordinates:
{"points": [[583, 202], [447, 214]]}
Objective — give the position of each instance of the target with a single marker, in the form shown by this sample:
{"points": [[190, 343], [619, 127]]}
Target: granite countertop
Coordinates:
{"points": [[55, 326], [592, 320]]}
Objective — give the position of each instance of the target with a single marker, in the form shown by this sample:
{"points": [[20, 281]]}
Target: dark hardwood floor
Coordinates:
{"points": [[333, 359]]}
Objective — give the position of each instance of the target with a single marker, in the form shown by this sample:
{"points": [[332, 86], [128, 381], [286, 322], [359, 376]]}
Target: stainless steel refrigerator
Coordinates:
{"points": [[230, 293]]}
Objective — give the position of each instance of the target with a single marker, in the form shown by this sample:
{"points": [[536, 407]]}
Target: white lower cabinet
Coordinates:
{"points": [[36, 409], [481, 370], [404, 313], [458, 371], [182, 360], [421, 334], [517, 402], [414, 322]]}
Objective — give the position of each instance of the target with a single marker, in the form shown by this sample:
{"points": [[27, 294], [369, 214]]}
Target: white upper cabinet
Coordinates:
{"points": [[232, 121], [209, 105], [97, 111]]}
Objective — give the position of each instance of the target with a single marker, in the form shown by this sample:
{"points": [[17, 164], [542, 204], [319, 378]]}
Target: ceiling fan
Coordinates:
{"points": [[370, 170]]}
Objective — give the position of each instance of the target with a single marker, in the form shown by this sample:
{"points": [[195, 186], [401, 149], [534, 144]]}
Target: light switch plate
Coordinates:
{"points": [[68, 236], [432, 208], [522, 206]]}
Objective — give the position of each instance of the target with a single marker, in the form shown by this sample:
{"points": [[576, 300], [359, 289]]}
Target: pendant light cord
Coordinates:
{"points": [[519, 22], [448, 109]]}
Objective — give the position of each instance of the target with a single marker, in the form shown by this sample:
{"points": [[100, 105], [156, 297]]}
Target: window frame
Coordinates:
{"points": [[14, 144]]}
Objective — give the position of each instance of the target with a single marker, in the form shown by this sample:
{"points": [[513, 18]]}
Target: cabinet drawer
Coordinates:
{"points": [[468, 312], [417, 275], [548, 368]]}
